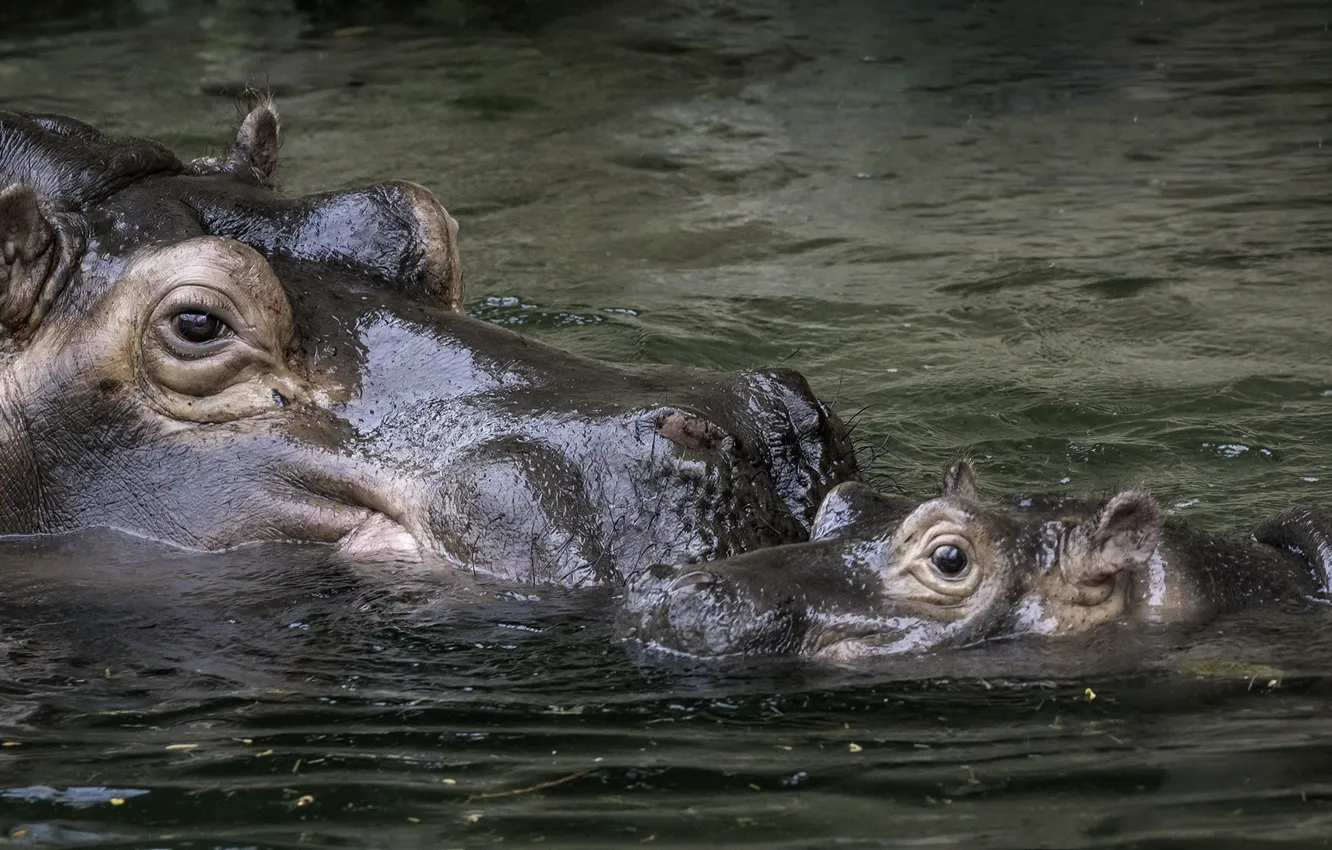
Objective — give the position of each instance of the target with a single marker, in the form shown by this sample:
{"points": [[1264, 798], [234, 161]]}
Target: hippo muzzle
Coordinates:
{"points": [[530, 463], [824, 599]]}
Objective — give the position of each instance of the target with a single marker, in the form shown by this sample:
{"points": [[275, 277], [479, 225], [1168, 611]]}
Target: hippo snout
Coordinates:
{"points": [[807, 447], [771, 420], [702, 613]]}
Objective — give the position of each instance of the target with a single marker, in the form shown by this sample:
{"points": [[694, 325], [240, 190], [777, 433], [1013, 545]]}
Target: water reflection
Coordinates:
{"points": [[313, 16], [271, 690]]}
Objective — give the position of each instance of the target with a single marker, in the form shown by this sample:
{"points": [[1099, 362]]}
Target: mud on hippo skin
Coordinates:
{"points": [[189, 355], [884, 574]]}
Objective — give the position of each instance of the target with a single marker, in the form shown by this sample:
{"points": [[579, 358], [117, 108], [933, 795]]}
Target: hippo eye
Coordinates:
{"points": [[199, 328], [949, 560]]}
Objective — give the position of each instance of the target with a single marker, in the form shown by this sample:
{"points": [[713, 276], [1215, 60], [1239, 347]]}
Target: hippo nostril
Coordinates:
{"points": [[689, 430], [808, 448], [693, 582]]}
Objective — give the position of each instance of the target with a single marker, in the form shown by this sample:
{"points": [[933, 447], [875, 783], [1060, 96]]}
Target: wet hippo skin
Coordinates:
{"points": [[191, 356], [885, 575]]}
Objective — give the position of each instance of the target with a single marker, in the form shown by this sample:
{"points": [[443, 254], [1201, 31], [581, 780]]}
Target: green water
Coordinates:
{"points": [[1085, 244]]}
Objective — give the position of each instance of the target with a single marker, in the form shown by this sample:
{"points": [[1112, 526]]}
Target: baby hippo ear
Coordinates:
{"points": [[960, 481], [27, 250], [1121, 536], [257, 142]]}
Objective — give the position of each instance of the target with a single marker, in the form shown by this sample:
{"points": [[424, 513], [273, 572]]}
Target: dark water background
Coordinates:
{"points": [[1086, 243]]}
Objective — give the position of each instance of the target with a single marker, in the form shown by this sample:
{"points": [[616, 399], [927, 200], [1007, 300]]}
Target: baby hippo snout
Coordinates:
{"points": [[701, 613]]}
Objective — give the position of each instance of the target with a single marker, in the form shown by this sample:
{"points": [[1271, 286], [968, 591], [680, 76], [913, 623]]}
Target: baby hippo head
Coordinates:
{"points": [[885, 576]]}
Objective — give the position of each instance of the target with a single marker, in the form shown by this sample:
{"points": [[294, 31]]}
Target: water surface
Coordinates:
{"points": [[1085, 244]]}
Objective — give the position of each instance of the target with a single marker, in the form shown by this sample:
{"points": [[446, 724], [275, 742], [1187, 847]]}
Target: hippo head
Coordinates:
{"points": [[190, 356], [885, 575]]}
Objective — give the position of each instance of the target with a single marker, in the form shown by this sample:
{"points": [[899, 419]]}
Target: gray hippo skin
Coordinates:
{"points": [[190, 356], [886, 575]]}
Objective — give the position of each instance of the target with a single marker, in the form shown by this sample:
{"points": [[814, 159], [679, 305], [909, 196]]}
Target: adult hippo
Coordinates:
{"points": [[885, 574], [190, 356]]}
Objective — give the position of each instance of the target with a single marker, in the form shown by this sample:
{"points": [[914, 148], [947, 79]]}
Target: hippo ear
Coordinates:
{"points": [[253, 156], [27, 248], [1121, 536], [960, 481], [257, 142]]}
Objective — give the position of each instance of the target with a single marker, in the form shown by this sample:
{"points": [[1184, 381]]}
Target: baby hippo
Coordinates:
{"points": [[885, 574]]}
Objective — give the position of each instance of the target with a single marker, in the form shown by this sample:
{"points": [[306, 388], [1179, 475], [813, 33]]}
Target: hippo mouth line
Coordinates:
{"points": [[856, 636], [740, 509], [379, 534], [361, 520]]}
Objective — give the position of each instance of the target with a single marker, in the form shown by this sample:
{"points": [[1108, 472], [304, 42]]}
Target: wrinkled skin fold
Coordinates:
{"points": [[191, 356], [886, 575]]}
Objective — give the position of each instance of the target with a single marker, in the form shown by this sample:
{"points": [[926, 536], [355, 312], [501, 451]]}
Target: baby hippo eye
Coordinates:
{"points": [[949, 560], [199, 327]]}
